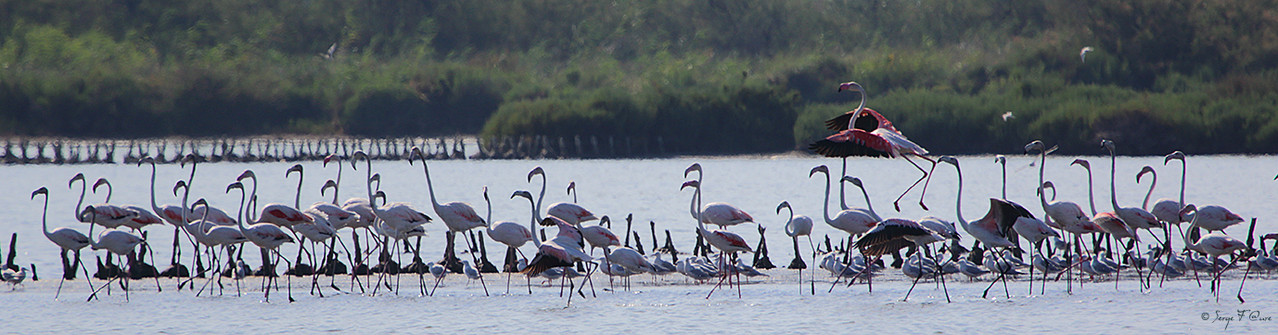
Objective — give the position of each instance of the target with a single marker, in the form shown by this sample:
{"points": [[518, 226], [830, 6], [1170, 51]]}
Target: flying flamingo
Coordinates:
{"points": [[795, 226], [994, 229], [865, 132], [727, 242], [719, 213], [65, 238]]}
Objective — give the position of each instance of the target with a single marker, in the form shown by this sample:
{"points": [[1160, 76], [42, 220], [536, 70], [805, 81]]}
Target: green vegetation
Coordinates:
{"points": [[704, 76]]}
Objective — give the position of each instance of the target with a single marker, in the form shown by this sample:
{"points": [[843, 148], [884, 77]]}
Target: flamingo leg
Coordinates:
{"points": [[916, 183], [1244, 282], [65, 265]]}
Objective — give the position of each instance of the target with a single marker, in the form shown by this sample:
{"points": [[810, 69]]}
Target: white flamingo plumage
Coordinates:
{"points": [[66, 238], [854, 220]]}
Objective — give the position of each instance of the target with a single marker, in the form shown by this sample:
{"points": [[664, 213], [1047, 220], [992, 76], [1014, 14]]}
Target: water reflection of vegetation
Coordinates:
{"points": [[708, 76]]}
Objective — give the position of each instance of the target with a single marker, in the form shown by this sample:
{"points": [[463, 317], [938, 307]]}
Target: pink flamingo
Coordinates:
{"points": [[865, 132]]}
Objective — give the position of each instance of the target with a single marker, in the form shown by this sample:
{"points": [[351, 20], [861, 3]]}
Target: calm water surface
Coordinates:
{"points": [[648, 189]]}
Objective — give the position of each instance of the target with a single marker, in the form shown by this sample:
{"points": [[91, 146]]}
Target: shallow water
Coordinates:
{"points": [[650, 190]]}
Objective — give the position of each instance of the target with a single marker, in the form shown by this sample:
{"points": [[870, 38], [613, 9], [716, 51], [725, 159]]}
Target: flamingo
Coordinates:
{"points": [[598, 236], [1168, 210], [854, 221], [865, 132], [995, 228], [1211, 217], [174, 216], [892, 235], [460, 217], [115, 241], [138, 218], [570, 212], [279, 215], [1068, 215], [109, 216], [1077, 229], [266, 236], [719, 213], [513, 235], [208, 233], [727, 242], [561, 252], [795, 226], [1214, 245], [66, 239], [400, 217], [1137, 218]]}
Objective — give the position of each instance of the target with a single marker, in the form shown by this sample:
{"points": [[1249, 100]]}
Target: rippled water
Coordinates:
{"points": [[650, 190]]}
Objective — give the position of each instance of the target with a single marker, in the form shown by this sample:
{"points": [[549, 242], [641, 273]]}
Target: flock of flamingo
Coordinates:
{"points": [[1066, 242]]}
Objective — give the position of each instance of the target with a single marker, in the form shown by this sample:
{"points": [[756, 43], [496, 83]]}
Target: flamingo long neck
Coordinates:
{"points": [[958, 199], [1042, 192], [297, 198], [789, 230], [843, 202], [489, 217], [430, 187], [110, 190], [368, 181], [186, 190], [239, 216], [1113, 162], [572, 190], [252, 200], [1145, 205], [1004, 169], [1182, 184], [540, 197], [44, 218], [826, 204], [532, 226], [869, 206], [93, 217], [696, 203], [338, 183], [1091, 194], [857, 111], [84, 187], [155, 208]]}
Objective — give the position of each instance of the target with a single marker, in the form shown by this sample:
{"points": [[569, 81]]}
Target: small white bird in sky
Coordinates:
{"points": [[1083, 53], [1008, 116]]}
